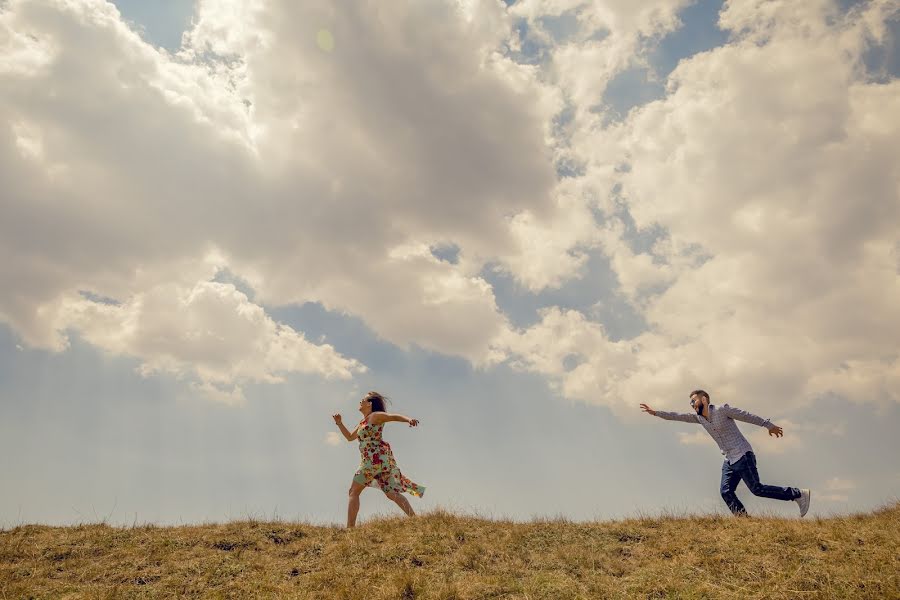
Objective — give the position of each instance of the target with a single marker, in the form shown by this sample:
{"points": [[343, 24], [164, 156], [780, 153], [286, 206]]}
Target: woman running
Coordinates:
{"points": [[377, 465]]}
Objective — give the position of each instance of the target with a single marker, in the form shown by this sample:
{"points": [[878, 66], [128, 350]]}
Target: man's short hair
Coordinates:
{"points": [[700, 393]]}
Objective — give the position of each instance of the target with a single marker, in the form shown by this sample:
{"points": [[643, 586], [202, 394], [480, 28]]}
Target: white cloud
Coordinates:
{"points": [[790, 195], [809, 427], [695, 438], [209, 332], [549, 252], [769, 168], [326, 176], [769, 445], [232, 396], [837, 489], [838, 484], [305, 169], [832, 497], [332, 438]]}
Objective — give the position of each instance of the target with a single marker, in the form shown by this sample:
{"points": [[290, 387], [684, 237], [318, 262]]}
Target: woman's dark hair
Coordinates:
{"points": [[378, 401], [699, 393]]}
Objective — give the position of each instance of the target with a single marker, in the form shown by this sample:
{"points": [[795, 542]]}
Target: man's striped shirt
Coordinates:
{"points": [[722, 427]]}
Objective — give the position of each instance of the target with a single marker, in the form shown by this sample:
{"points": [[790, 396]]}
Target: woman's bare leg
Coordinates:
{"points": [[353, 504], [402, 502]]}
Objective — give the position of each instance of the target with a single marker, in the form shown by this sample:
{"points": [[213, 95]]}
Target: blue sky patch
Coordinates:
{"points": [[629, 89], [560, 27], [699, 31], [88, 295], [159, 23], [882, 61], [595, 294], [446, 252]]}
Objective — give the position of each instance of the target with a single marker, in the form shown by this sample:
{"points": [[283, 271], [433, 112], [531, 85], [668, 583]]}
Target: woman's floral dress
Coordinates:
{"points": [[377, 466]]}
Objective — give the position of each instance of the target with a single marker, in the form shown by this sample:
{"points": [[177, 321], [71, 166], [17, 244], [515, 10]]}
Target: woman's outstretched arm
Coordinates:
{"points": [[382, 417], [340, 423]]}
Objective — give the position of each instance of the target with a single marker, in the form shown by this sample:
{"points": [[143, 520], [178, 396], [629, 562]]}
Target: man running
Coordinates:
{"points": [[740, 461]]}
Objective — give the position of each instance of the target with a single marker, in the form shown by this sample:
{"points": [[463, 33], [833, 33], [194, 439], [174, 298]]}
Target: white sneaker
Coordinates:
{"points": [[803, 500]]}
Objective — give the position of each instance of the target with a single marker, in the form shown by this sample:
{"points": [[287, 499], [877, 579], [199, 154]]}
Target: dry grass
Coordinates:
{"points": [[441, 555]]}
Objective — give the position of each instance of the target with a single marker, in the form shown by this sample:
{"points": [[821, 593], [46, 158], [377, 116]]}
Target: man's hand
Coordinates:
{"points": [[776, 431], [337, 418], [647, 409]]}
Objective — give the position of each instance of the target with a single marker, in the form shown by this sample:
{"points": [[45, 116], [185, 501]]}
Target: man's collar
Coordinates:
{"points": [[710, 408]]}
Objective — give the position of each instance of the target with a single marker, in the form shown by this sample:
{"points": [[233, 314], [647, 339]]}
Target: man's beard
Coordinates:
{"points": [[699, 408]]}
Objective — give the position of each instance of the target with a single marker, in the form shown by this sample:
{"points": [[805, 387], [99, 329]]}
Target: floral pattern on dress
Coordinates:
{"points": [[377, 466]]}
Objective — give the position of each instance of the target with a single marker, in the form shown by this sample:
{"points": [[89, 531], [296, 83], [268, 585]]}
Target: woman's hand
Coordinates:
{"points": [[337, 419], [413, 422]]}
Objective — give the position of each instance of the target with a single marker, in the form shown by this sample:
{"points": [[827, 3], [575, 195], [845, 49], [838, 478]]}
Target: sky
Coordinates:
{"points": [[224, 221]]}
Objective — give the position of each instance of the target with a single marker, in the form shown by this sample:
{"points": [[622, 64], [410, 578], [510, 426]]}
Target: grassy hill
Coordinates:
{"points": [[441, 555]]}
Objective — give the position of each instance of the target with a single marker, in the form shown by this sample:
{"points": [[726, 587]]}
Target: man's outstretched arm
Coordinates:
{"points": [[670, 416], [742, 415]]}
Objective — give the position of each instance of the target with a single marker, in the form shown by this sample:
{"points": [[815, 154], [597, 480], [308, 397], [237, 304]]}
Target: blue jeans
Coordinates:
{"points": [[745, 468]]}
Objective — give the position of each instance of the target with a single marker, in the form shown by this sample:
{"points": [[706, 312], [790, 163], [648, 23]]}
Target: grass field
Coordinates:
{"points": [[441, 555]]}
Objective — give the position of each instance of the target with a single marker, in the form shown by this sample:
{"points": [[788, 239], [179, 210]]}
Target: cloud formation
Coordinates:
{"points": [[770, 169], [322, 152], [322, 175]]}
